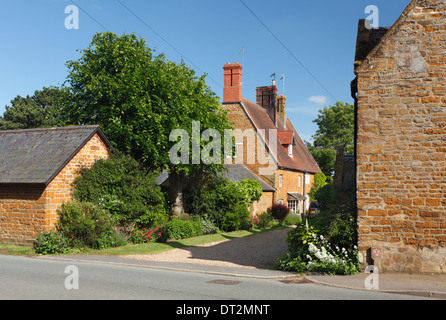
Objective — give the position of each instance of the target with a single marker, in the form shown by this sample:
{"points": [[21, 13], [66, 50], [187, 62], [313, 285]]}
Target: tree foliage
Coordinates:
{"points": [[139, 98], [39, 110], [335, 129]]}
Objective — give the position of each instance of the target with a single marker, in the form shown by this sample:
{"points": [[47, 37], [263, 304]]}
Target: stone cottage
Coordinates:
{"points": [[37, 167], [400, 92], [267, 143]]}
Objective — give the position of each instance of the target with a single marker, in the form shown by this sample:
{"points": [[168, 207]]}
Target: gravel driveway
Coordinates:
{"points": [[257, 251]]}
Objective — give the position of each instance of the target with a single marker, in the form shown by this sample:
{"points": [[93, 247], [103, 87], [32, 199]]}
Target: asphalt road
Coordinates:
{"points": [[23, 278]]}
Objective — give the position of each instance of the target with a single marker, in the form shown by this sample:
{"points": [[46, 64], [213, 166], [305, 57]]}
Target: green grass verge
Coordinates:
{"points": [[147, 248]]}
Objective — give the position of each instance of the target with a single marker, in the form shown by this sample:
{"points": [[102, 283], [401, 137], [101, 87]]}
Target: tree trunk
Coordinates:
{"points": [[176, 181]]}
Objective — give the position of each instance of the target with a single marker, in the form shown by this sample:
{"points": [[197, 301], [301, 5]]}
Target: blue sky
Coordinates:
{"points": [[321, 34]]}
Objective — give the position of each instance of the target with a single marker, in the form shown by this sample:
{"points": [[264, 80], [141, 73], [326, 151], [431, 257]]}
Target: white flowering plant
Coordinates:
{"points": [[311, 252]]}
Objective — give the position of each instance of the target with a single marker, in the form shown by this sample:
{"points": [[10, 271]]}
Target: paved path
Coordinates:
{"points": [[257, 251]]}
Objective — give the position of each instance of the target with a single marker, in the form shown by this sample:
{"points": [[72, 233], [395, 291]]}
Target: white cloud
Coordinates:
{"points": [[318, 99], [313, 111]]}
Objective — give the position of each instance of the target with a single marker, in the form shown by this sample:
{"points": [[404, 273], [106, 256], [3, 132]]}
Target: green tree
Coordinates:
{"points": [[139, 99], [320, 180], [335, 129], [39, 110], [325, 158]]}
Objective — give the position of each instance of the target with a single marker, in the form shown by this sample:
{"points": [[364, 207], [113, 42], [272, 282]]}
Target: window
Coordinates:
{"points": [[237, 149], [280, 201], [290, 150], [280, 180], [307, 178], [293, 205], [299, 181]]}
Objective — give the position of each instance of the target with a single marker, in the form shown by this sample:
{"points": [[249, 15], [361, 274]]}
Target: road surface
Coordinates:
{"points": [[31, 279]]}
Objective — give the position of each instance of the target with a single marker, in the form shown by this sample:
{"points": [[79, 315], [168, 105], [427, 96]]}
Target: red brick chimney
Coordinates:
{"points": [[232, 91], [267, 98]]}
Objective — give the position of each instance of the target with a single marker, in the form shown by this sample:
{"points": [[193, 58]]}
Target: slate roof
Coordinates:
{"points": [[238, 172], [36, 156], [295, 196], [234, 173], [302, 159]]}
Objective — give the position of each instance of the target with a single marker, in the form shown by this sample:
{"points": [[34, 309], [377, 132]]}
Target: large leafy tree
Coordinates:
{"points": [[139, 98], [39, 110], [335, 129]]}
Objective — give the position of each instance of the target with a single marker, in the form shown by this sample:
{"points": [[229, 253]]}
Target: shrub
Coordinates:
{"points": [[320, 180], [124, 188], [292, 219], [250, 223], [232, 221], [264, 220], [150, 219], [208, 227], [312, 252], [180, 229], [339, 223], [279, 211], [51, 242], [143, 235], [217, 197], [325, 196], [299, 238], [84, 223], [251, 190]]}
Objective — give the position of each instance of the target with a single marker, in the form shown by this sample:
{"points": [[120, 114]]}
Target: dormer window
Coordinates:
{"points": [[286, 138]]}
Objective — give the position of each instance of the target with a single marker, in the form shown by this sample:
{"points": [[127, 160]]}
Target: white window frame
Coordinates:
{"points": [[290, 150], [307, 178], [280, 180], [293, 205]]}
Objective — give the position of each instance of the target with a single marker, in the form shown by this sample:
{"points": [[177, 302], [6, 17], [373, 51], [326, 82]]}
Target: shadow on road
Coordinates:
{"points": [[259, 251]]}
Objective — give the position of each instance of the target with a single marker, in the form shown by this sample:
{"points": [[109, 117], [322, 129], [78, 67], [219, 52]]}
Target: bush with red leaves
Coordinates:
{"points": [[279, 211]]}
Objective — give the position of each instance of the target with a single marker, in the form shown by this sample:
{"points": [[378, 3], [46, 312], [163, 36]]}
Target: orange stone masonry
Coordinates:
{"points": [[401, 144], [256, 127], [27, 209]]}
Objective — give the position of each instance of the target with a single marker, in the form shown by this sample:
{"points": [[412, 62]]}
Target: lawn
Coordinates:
{"points": [[147, 248]]}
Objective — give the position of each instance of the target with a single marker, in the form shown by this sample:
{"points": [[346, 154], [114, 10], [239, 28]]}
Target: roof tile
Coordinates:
{"points": [[35, 156]]}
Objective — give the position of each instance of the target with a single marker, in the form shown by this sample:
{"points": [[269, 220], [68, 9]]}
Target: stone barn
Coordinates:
{"points": [[400, 93], [37, 167]]}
